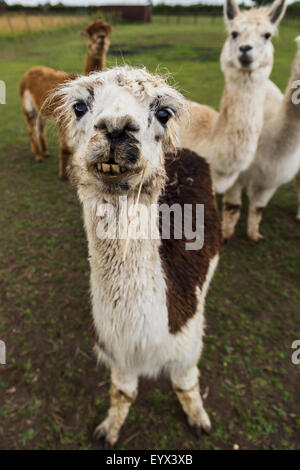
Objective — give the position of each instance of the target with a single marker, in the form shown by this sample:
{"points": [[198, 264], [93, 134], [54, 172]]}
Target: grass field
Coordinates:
{"points": [[17, 25], [52, 393]]}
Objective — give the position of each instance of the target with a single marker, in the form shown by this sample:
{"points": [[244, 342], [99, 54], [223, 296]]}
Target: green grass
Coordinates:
{"points": [[53, 393]]}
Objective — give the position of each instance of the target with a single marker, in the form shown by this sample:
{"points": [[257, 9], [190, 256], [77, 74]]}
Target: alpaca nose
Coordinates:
{"points": [[246, 48], [115, 133], [112, 131], [117, 127]]}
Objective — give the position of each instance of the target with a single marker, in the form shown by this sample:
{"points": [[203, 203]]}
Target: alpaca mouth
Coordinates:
{"points": [[110, 169], [245, 61], [115, 178]]}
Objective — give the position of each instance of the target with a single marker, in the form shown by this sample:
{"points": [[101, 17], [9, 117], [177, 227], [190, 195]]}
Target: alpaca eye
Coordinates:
{"points": [[80, 109], [267, 36], [234, 34], [163, 115]]}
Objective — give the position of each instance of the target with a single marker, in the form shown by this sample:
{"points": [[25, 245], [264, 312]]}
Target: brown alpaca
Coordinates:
{"points": [[39, 82]]}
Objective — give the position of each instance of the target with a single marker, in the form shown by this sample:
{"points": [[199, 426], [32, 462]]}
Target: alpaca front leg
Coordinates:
{"points": [[232, 201], [123, 392], [187, 388], [65, 155], [34, 135], [42, 135], [258, 201], [298, 193], [254, 220]]}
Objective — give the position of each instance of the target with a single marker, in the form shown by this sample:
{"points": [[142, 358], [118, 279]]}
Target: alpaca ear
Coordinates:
{"points": [[277, 11], [231, 9], [109, 29], [84, 33]]}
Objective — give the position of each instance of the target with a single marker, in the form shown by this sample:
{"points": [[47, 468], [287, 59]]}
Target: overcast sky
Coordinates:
{"points": [[103, 2]]}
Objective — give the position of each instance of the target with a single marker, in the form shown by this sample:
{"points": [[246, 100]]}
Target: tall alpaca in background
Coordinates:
{"points": [[228, 140], [98, 43], [38, 82], [277, 159], [148, 308]]}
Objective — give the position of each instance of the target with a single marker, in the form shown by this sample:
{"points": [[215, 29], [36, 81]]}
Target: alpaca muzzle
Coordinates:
{"points": [[246, 56]]}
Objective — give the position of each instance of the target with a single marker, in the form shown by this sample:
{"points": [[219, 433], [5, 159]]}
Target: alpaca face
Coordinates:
{"points": [[248, 46], [98, 42], [121, 121], [97, 34]]}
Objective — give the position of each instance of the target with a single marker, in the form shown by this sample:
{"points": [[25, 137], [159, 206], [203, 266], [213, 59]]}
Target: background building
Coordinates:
{"points": [[136, 10]]}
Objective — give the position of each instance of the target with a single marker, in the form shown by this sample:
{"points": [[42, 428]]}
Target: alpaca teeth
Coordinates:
{"points": [[115, 168], [112, 169], [106, 168]]}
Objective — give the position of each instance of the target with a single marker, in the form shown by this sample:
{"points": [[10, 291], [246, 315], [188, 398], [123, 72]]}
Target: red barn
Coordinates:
{"points": [[130, 10], [2, 7]]}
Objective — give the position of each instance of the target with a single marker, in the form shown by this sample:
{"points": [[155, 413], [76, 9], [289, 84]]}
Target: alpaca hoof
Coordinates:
{"points": [[108, 436], [200, 423], [46, 155], [39, 159], [256, 237]]}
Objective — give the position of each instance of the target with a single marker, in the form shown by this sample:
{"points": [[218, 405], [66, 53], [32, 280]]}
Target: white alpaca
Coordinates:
{"points": [[148, 308], [228, 139], [277, 159]]}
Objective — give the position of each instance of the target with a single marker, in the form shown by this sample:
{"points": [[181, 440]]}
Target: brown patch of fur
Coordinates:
{"points": [[189, 182], [40, 82]]}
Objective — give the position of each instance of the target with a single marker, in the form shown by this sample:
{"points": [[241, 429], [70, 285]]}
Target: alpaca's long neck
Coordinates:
{"points": [[241, 112], [107, 226], [94, 63], [234, 135]]}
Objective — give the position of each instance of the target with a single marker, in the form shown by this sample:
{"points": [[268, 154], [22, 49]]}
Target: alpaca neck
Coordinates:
{"points": [[241, 106], [234, 135], [112, 258], [94, 63], [108, 225]]}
